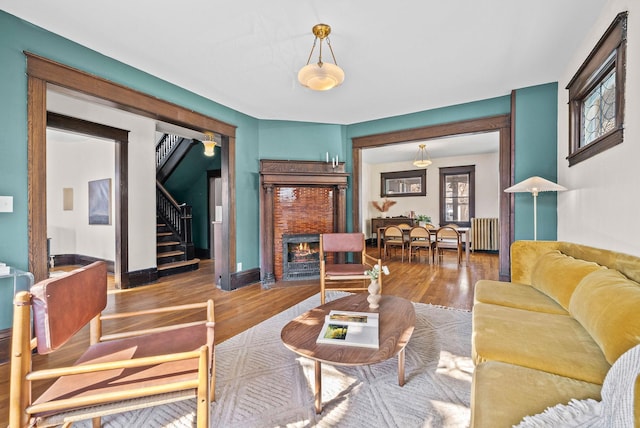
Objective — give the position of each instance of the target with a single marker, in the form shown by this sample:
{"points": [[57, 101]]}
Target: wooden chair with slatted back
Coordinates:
{"points": [[420, 238], [118, 372], [448, 238], [394, 237], [336, 274]]}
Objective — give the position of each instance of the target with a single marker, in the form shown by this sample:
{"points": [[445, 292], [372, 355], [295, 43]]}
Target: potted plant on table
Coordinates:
{"points": [[423, 219], [374, 287]]}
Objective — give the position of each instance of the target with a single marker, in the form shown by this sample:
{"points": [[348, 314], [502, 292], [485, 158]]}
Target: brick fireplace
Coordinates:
{"points": [[300, 256], [297, 198]]}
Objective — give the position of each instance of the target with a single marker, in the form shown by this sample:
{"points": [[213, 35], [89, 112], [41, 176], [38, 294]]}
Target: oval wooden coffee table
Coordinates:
{"points": [[396, 323]]}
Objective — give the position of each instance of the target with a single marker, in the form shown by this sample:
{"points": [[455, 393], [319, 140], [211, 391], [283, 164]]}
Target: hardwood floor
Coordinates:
{"points": [[235, 311]]}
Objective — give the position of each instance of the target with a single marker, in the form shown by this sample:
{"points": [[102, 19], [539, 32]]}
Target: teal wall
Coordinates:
{"points": [[16, 37], [536, 139], [255, 138], [301, 140], [188, 184]]}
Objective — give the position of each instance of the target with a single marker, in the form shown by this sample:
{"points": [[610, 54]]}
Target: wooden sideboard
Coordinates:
{"points": [[390, 221]]}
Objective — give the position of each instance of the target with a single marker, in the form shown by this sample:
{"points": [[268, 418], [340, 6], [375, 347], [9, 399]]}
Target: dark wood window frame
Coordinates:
{"points": [[457, 170], [415, 173], [608, 54]]}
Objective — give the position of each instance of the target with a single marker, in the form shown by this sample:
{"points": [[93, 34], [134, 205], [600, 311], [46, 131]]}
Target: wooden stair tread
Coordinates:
{"points": [[172, 265], [170, 254], [164, 234], [168, 243]]}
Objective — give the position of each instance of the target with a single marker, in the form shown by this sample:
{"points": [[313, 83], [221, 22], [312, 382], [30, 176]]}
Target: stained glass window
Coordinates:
{"points": [[599, 110]]}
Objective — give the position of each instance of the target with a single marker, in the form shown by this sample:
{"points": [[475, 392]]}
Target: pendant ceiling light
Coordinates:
{"points": [[422, 159], [321, 76], [209, 145]]}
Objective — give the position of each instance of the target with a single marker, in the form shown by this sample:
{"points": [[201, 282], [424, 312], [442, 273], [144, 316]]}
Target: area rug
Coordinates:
{"points": [[260, 383]]}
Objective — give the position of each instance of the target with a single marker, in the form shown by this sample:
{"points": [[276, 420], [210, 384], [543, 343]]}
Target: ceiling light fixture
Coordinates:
{"points": [[209, 145], [422, 159], [321, 76]]}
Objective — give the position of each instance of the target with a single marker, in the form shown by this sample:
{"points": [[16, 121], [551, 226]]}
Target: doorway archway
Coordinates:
{"points": [[45, 74], [502, 124]]}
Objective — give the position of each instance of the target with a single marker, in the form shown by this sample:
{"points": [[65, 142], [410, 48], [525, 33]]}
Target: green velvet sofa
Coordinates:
{"points": [[552, 333]]}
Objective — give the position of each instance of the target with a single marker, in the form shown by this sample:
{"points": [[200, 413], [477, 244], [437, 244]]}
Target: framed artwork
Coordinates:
{"points": [[100, 201], [403, 183]]}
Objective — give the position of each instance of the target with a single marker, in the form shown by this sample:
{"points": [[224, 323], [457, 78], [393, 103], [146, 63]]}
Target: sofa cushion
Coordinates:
{"points": [[606, 303], [557, 275], [515, 295], [498, 398], [549, 342]]}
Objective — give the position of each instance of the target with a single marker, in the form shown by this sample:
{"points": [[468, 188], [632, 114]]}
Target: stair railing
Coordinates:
{"points": [[165, 147], [177, 216]]}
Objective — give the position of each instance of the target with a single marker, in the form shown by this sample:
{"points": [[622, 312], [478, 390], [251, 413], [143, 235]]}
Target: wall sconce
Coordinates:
{"points": [[321, 76], [209, 145]]}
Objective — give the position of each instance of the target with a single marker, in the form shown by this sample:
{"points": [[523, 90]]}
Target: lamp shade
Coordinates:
{"points": [[321, 76], [209, 148], [534, 185]]}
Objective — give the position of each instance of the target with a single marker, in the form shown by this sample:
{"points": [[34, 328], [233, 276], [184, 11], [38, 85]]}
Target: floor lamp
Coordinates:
{"points": [[534, 185]]}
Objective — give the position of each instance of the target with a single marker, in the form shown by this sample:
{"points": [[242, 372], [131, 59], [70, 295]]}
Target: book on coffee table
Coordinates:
{"points": [[350, 329]]}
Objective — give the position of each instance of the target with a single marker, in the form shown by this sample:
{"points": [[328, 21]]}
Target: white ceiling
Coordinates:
{"points": [[398, 57], [459, 145]]}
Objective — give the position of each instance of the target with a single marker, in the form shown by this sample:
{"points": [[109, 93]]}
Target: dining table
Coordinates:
{"points": [[466, 231]]}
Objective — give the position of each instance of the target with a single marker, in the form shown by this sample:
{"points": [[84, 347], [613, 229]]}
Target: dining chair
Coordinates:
{"points": [[394, 237], [420, 238], [448, 237], [334, 271]]}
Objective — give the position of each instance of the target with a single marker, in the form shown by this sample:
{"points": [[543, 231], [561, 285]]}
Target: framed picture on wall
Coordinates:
{"points": [[100, 201]]}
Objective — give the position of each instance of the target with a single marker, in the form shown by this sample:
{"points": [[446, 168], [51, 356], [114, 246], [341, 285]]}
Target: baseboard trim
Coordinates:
{"points": [[141, 277], [82, 260], [244, 278]]}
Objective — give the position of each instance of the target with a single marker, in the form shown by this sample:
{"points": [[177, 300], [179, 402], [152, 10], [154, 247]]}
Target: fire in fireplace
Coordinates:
{"points": [[301, 256]]}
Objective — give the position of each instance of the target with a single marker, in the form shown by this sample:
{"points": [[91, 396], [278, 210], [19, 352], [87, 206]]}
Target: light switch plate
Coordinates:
{"points": [[6, 204]]}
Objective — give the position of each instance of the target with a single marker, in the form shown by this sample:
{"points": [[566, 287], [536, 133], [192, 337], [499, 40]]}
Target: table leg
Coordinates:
{"points": [[401, 368], [318, 387], [466, 247]]}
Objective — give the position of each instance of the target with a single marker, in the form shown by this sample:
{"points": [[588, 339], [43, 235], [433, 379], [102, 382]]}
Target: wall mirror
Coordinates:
{"points": [[403, 183]]}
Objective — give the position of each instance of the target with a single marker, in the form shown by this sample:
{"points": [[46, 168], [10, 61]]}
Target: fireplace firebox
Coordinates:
{"points": [[300, 256]]}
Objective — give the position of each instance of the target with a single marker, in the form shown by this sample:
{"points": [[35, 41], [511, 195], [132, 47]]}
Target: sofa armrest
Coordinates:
{"points": [[525, 255]]}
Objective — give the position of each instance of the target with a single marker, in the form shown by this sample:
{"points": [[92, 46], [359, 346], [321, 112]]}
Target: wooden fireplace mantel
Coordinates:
{"points": [[282, 173]]}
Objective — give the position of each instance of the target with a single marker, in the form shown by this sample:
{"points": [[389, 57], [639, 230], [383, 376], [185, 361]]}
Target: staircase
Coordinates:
{"points": [[174, 245], [171, 254]]}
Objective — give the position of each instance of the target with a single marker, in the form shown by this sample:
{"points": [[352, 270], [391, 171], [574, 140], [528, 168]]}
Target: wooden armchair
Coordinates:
{"points": [[347, 274], [118, 372]]}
